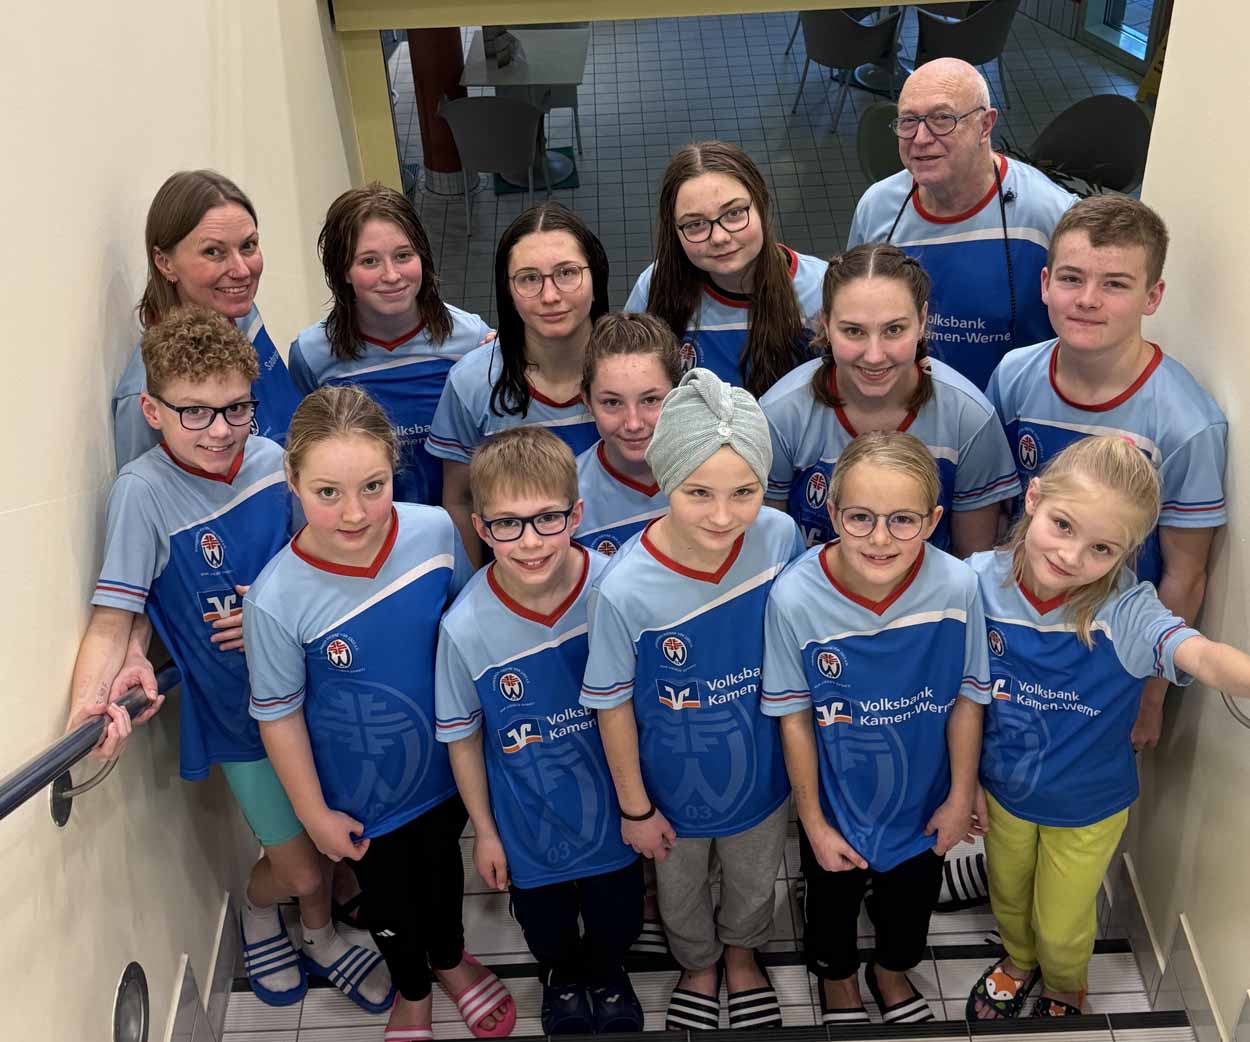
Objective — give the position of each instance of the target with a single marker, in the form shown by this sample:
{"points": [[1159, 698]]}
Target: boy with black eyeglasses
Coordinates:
{"points": [[191, 523], [527, 757]]}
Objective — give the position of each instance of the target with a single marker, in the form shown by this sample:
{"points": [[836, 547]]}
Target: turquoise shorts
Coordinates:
{"points": [[263, 801]]}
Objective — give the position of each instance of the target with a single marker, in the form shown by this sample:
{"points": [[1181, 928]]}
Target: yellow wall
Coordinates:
{"points": [[1191, 831], [102, 102]]}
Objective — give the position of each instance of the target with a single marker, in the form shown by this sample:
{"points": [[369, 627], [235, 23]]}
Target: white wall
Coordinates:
{"points": [[102, 102], [1190, 834]]}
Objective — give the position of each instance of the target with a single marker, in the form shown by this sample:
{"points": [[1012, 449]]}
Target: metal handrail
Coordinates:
{"points": [[45, 767]]}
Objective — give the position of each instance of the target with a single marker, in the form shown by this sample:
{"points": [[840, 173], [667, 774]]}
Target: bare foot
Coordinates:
{"points": [[1072, 998], [842, 994], [742, 972], [701, 982], [405, 1014], [463, 976], [894, 985]]}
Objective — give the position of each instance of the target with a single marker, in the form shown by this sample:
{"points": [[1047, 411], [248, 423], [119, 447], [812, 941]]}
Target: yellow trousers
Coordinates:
{"points": [[1044, 889]]}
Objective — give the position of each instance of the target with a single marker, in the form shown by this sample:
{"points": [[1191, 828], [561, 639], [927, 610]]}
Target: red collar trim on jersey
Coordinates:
{"points": [[637, 486], [843, 419], [390, 345], [538, 396], [369, 571], [690, 573], [743, 300], [876, 607], [226, 479], [517, 608], [1040, 606], [1156, 360], [985, 200]]}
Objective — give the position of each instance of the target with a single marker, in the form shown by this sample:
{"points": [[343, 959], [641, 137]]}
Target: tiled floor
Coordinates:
{"points": [[653, 85]]}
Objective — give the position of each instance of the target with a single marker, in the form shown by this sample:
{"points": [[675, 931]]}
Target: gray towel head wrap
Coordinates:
{"points": [[698, 416]]}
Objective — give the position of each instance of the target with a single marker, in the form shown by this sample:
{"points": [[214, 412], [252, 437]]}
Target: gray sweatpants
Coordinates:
{"points": [[747, 864]]}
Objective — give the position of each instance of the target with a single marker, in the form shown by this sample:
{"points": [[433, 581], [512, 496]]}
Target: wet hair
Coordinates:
{"points": [[178, 206], [776, 339], [522, 461], [1117, 473], [337, 412], [195, 343], [1116, 220], [510, 395], [631, 333], [893, 450], [872, 261], [336, 245]]}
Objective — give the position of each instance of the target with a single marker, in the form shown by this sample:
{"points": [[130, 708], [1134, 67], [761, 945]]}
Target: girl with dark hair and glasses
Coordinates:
{"points": [[742, 304], [551, 284], [388, 329]]}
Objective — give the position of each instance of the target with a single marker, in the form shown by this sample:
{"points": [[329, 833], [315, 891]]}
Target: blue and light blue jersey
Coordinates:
{"points": [[178, 542], [957, 425], [354, 648], [278, 397], [616, 507], [686, 647], [1165, 412], [1058, 734], [969, 324], [515, 676], [881, 679], [406, 377], [717, 334], [464, 418]]}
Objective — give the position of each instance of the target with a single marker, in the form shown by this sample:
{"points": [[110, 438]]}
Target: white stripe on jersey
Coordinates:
{"points": [[1094, 430], [920, 618], [568, 421], [1056, 627], [701, 328], [980, 234], [410, 576], [745, 586], [576, 631], [255, 325], [620, 522], [276, 478], [395, 363]]}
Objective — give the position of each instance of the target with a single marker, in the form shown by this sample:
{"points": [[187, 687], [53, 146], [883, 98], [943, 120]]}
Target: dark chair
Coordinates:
{"points": [[1102, 140], [837, 41], [978, 39], [876, 144]]}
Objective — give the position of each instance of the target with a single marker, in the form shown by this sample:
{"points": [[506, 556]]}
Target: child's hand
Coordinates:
{"points": [[652, 838], [113, 740], [490, 861], [137, 672], [952, 822], [334, 832], [980, 816], [487, 337], [832, 850], [228, 629]]}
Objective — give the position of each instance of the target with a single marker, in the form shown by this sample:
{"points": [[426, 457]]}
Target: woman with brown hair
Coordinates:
{"points": [[742, 304]]}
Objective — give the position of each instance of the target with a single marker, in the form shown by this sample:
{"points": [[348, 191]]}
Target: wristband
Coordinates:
{"points": [[640, 817]]}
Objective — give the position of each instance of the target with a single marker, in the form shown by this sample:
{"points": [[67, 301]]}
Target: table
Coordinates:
{"points": [[548, 58]]}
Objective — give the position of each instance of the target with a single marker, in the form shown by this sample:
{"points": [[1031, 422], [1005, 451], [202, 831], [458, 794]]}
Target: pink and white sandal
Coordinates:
{"points": [[408, 1035], [480, 999]]}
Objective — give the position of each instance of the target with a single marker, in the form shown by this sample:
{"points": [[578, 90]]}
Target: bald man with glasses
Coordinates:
{"points": [[979, 224]]}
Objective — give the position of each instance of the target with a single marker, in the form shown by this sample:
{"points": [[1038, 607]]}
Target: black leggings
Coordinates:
{"points": [[412, 881]]}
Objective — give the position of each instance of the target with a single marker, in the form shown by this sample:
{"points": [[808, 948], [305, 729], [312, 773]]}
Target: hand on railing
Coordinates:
{"points": [[136, 673]]}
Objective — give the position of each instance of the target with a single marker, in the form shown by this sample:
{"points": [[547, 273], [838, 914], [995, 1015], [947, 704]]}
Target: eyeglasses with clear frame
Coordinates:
{"points": [[903, 525], [939, 123], [529, 282], [201, 417], [700, 229], [510, 529]]}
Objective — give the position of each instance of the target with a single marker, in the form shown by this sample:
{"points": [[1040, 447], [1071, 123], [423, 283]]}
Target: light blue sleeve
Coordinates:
{"points": [[462, 572], [1193, 481], [783, 684], [454, 432], [457, 709], [975, 684], [1146, 635], [612, 661], [986, 472], [856, 235], [136, 548], [132, 436], [275, 664], [301, 374], [638, 295], [994, 394], [781, 473], [799, 545]]}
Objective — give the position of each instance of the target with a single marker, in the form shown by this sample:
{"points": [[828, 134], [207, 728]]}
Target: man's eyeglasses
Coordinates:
{"points": [[903, 525], [529, 282], [201, 417], [939, 123], [510, 529], [700, 229]]}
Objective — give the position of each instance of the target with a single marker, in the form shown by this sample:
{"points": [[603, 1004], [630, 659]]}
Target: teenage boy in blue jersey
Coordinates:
{"points": [[527, 758]]}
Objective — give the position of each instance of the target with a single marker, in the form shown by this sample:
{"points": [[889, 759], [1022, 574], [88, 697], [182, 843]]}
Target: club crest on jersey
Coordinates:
{"points": [[675, 650], [689, 355], [1026, 449], [997, 645], [817, 490], [831, 713], [210, 546], [339, 653], [678, 698], [829, 664], [511, 685], [522, 733], [607, 546]]}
